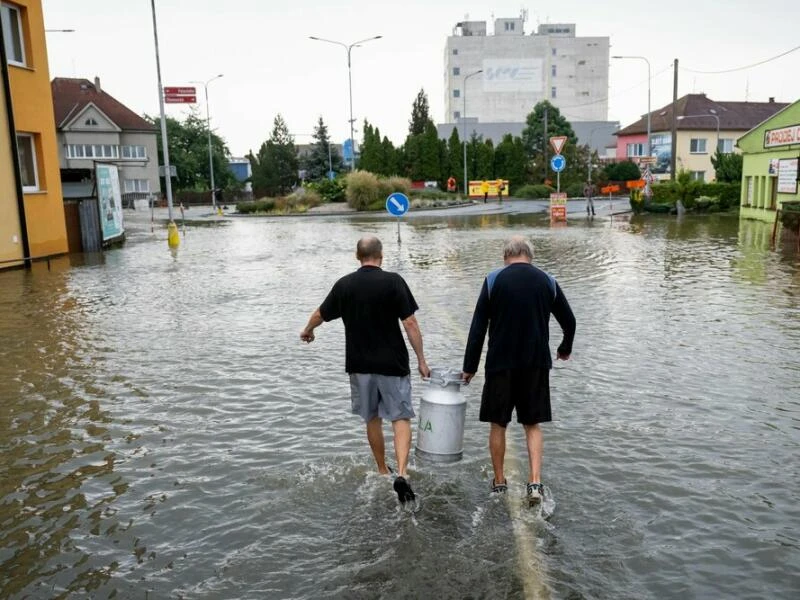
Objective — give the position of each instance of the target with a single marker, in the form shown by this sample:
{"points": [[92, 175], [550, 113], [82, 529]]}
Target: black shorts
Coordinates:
{"points": [[527, 390]]}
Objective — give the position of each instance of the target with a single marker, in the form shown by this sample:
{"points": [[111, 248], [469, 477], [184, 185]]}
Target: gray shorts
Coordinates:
{"points": [[384, 396]]}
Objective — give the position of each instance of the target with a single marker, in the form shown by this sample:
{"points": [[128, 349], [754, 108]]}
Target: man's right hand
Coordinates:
{"points": [[562, 356], [467, 377], [307, 336], [424, 370]]}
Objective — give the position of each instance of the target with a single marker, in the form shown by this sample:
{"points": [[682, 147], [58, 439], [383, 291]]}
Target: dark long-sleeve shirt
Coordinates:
{"points": [[515, 305]]}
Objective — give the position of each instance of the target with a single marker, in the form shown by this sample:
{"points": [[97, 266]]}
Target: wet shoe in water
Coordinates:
{"points": [[499, 488], [535, 494], [403, 489]]}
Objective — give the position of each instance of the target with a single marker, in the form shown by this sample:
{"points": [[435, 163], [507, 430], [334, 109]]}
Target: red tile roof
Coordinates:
{"points": [[733, 116], [70, 96]]}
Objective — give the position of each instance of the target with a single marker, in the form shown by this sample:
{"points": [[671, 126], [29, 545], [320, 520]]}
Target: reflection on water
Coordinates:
{"points": [[165, 434]]}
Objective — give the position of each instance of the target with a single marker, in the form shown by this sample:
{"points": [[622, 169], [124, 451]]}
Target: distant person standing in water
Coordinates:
{"points": [[372, 303], [588, 191], [515, 305]]}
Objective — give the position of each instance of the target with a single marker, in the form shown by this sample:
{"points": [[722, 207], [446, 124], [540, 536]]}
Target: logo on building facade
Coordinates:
{"points": [[512, 75]]}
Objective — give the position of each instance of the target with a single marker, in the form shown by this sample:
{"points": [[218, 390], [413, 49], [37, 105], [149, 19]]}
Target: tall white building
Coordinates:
{"points": [[519, 70]]}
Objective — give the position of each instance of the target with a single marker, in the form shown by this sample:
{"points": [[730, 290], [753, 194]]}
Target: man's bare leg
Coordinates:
{"points": [[376, 443], [497, 450], [402, 444], [533, 435]]}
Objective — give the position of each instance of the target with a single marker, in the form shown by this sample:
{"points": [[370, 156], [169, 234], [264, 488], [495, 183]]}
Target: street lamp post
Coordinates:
{"points": [[210, 153], [349, 48], [464, 129], [649, 78]]}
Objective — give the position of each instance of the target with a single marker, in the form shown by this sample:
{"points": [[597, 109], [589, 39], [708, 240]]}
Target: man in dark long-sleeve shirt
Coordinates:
{"points": [[515, 305]]}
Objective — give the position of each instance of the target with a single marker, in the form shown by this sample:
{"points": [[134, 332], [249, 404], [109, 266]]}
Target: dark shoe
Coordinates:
{"points": [[403, 489], [535, 493], [499, 488]]}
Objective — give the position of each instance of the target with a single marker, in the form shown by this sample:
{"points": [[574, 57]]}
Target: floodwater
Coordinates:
{"points": [[165, 434]]}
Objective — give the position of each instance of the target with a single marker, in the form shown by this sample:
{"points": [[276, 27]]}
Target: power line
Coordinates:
{"points": [[599, 100], [762, 62]]}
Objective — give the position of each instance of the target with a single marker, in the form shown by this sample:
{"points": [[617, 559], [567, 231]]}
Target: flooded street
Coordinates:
{"points": [[165, 434]]}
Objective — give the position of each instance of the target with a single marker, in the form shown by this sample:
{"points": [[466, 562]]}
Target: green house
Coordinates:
{"points": [[771, 153]]}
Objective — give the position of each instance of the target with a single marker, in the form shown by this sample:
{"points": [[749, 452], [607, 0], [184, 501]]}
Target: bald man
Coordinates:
{"points": [[372, 303]]}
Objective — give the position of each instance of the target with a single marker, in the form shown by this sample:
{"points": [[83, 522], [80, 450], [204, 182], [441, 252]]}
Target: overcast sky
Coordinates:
{"points": [[270, 66]]}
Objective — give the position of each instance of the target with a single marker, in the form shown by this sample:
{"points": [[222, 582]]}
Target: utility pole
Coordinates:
{"points": [[674, 157], [545, 141]]}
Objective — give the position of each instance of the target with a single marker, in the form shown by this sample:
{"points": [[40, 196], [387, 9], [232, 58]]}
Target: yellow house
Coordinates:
{"points": [[40, 223]]}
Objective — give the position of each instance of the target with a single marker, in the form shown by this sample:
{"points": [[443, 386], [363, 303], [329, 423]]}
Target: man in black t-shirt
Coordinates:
{"points": [[515, 305], [370, 302]]}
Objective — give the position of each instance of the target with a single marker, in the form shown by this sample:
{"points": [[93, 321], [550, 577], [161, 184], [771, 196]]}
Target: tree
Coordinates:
{"points": [[510, 161], [275, 165], [727, 167], [420, 114], [625, 170], [533, 136], [455, 154], [317, 162], [371, 156], [188, 152]]}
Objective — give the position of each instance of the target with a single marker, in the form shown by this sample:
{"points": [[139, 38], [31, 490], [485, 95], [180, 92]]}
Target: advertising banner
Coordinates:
{"points": [[109, 201], [476, 188], [558, 206], [787, 176]]}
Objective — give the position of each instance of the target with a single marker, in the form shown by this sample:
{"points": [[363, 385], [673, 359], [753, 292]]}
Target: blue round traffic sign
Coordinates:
{"points": [[558, 162], [397, 204]]}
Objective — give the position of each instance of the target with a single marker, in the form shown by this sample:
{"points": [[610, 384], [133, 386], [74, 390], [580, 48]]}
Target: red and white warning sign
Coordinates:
{"points": [[557, 142]]}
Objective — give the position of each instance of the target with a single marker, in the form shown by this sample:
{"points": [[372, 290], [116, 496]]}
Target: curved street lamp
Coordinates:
{"points": [[464, 129], [349, 48], [210, 154]]}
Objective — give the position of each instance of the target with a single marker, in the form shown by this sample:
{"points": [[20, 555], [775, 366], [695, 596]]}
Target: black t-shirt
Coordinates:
{"points": [[370, 302]]}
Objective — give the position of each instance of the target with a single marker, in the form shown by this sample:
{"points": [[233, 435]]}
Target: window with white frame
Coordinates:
{"points": [[26, 148], [725, 145], [553, 51], [11, 21], [133, 152], [456, 115], [455, 51], [456, 70], [91, 122], [552, 70], [509, 25], [634, 150], [456, 93], [553, 92], [698, 175], [697, 146], [136, 185], [92, 151]]}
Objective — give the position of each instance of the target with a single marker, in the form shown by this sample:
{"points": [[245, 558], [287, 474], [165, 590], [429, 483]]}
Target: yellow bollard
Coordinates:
{"points": [[173, 237]]}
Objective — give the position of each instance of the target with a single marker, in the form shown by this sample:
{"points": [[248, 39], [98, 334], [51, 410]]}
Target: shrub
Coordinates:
{"points": [[362, 189], [534, 191], [400, 184], [574, 190], [262, 205], [330, 190], [431, 194], [303, 199]]}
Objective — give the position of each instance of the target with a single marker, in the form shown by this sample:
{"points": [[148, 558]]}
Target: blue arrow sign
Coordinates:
{"points": [[397, 204], [558, 162]]}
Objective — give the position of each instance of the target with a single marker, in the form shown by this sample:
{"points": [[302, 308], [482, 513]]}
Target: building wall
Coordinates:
{"points": [[32, 103], [576, 67], [697, 162], [760, 197], [10, 231], [141, 170]]}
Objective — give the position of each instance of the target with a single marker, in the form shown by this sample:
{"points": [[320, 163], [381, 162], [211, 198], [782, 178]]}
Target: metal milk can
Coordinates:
{"points": [[442, 412]]}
